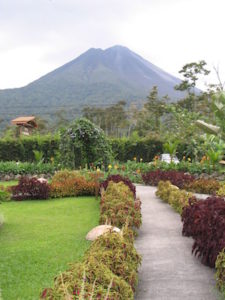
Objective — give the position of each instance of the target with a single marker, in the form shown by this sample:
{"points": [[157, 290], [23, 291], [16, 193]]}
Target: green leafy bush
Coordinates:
{"points": [[203, 186], [220, 271], [118, 206], [221, 191], [126, 149], [24, 168], [171, 194], [108, 271], [83, 143], [22, 149]]}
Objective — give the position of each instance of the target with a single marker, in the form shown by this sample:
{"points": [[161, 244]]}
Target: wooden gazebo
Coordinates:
{"points": [[25, 124]]}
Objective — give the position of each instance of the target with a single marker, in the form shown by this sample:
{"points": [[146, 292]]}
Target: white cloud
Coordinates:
{"points": [[38, 36]]}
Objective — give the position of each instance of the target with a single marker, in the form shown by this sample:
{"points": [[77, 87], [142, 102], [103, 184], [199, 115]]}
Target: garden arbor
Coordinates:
{"points": [[83, 143]]}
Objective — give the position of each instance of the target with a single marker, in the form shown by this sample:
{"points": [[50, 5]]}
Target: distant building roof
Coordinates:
{"points": [[25, 121]]}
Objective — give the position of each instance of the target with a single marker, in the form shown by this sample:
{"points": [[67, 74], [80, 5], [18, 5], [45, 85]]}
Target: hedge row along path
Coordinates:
{"points": [[169, 271]]}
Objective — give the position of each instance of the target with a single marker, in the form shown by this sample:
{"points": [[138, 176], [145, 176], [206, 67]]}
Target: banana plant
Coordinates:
{"points": [[218, 106]]}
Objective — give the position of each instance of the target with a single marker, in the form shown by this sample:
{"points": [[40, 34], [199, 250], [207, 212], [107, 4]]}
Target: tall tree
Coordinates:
{"points": [[191, 73]]}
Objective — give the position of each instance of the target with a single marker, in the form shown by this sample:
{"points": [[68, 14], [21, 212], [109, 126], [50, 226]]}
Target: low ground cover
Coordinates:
{"points": [[39, 238]]}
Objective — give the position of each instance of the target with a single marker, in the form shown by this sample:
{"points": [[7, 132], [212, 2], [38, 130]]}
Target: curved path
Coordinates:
{"points": [[169, 271]]}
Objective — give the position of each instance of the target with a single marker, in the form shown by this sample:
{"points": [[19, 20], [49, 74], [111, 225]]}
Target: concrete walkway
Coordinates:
{"points": [[169, 271]]}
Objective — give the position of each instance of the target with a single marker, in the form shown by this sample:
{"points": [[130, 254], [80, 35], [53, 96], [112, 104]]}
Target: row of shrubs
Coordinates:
{"points": [[24, 168], [204, 221], [109, 268], [184, 181], [21, 149], [64, 184]]}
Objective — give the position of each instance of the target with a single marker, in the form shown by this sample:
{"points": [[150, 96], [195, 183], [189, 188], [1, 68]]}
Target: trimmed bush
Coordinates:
{"points": [[118, 206], [180, 179], [71, 183], [203, 186], [171, 194], [221, 191], [21, 149], [118, 178], [30, 188], [220, 271], [126, 149], [204, 220], [109, 269]]}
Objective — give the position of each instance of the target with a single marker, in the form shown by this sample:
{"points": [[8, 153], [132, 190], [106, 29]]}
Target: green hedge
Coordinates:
{"points": [[21, 149], [124, 149], [127, 149]]}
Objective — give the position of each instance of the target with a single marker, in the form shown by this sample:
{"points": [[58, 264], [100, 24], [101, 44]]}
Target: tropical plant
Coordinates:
{"points": [[171, 148], [218, 107]]}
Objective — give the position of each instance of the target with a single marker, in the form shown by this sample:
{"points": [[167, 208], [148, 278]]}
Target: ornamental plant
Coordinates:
{"points": [[71, 183], [119, 178], [204, 220], [220, 271], [30, 188], [203, 186], [117, 206], [221, 191], [180, 179], [171, 194], [108, 271]]}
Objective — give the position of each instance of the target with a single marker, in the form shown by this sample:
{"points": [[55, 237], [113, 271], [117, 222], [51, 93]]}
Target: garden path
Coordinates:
{"points": [[169, 271]]}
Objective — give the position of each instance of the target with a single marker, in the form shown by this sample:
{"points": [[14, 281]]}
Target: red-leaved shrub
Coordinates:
{"points": [[204, 220], [118, 178], [71, 183], [30, 188], [180, 179]]}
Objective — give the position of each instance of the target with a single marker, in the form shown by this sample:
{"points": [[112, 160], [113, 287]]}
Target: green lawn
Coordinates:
{"points": [[39, 239], [9, 183]]}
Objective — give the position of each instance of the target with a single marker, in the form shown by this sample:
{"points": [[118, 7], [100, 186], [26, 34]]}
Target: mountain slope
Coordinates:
{"points": [[97, 77]]}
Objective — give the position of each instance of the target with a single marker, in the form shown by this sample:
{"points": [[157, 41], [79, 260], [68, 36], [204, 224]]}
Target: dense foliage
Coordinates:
{"points": [[24, 168], [171, 194], [180, 179], [21, 149], [221, 191], [126, 149], [83, 143], [71, 183], [118, 178], [203, 186], [30, 188], [108, 271], [204, 220], [118, 206], [220, 271]]}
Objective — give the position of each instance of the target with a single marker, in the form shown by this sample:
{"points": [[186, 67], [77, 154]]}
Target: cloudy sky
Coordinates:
{"points": [[37, 36]]}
